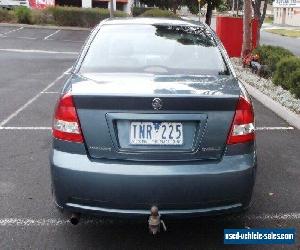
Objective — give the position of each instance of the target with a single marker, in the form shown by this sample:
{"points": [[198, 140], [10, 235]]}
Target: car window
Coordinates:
{"points": [[161, 49]]}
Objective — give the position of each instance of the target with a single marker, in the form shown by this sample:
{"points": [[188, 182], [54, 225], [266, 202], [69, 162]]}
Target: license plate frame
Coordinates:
{"points": [[156, 133]]}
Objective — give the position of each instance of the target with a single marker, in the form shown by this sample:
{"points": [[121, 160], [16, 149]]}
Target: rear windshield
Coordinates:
{"points": [[157, 49]]}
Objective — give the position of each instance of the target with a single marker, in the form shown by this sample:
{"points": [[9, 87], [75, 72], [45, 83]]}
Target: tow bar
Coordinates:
{"points": [[155, 221]]}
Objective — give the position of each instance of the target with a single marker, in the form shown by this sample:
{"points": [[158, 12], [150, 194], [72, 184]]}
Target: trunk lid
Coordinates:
{"points": [[111, 108]]}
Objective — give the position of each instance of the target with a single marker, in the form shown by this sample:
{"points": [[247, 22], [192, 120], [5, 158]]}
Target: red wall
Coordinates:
{"points": [[40, 4], [230, 32]]}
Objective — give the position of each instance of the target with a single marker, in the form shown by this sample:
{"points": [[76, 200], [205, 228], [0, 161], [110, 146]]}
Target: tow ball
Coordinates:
{"points": [[154, 221]]}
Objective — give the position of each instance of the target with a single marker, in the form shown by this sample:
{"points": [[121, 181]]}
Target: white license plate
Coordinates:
{"points": [[156, 133]]}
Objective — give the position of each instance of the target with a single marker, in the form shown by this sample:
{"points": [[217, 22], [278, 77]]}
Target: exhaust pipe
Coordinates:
{"points": [[75, 217]]}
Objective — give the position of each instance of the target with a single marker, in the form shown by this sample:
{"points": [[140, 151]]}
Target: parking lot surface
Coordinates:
{"points": [[34, 64]]}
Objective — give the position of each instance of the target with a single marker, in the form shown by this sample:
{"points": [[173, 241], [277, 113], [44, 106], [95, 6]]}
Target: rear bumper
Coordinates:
{"points": [[123, 188]]}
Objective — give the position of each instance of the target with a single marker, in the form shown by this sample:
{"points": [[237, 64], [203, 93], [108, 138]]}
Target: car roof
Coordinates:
{"points": [[151, 21]]}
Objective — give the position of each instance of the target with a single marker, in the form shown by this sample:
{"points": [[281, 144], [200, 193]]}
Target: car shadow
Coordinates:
{"points": [[205, 233]]}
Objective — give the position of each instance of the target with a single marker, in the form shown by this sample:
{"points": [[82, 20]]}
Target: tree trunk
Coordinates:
{"points": [[247, 29], [256, 4], [174, 6], [258, 36], [256, 8], [263, 15], [111, 9], [209, 10], [261, 21]]}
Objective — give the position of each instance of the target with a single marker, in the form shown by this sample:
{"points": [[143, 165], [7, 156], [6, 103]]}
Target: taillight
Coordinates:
{"points": [[242, 128], [66, 123]]}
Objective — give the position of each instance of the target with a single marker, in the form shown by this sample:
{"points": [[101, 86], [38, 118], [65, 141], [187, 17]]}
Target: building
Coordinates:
{"points": [[287, 12], [124, 5]]}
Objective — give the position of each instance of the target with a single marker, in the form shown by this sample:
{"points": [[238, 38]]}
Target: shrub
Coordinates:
{"points": [[194, 9], [283, 66], [264, 71], [73, 16], [222, 7], [269, 19], [137, 11], [23, 15], [284, 70], [58, 15], [41, 17], [271, 55], [6, 15], [158, 13], [295, 80]]}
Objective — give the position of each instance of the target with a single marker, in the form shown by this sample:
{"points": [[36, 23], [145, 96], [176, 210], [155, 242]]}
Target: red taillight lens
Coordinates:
{"points": [[242, 128], [66, 124]]}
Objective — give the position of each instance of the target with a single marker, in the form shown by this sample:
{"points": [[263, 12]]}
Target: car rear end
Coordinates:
{"points": [[124, 142]]}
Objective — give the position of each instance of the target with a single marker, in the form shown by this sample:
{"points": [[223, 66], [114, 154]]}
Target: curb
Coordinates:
{"points": [[283, 112], [35, 26]]}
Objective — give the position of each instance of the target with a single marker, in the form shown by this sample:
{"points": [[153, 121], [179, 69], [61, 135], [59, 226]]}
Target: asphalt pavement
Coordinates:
{"points": [[34, 64], [290, 43]]}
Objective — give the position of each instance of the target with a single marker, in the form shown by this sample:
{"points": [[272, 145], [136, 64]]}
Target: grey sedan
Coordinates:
{"points": [[153, 116]]}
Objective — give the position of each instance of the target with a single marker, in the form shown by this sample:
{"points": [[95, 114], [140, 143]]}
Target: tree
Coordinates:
{"points": [[164, 4], [247, 28], [209, 10], [211, 4], [191, 4], [256, 5]]}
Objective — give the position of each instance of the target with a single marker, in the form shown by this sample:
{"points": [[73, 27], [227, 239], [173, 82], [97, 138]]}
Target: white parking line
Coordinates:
{"points": [[26, 37], [11, 31], [50, 39], [39, 51], [58, 222], [44, 222], [274, 128], [52, 34], [50, 92], [279, 216], [25, 128], [32, 99], [21, 37], [66, 40]]}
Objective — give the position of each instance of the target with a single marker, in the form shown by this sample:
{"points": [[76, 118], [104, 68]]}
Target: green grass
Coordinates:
{"points": [[285, 32], [268, 19]]}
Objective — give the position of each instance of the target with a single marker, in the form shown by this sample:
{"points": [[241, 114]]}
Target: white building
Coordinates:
{"points": [[287, 12], [123, 5]]}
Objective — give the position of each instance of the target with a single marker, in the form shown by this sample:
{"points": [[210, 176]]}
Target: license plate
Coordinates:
{"points": [[156, 133]]}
